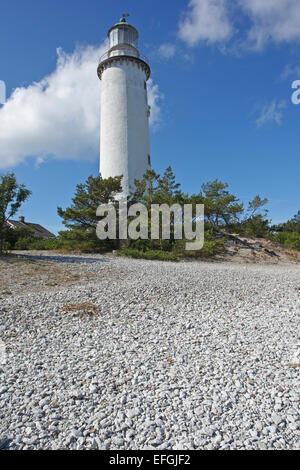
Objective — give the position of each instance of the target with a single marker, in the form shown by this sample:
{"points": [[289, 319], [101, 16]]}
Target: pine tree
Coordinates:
{"points": [[88, 196]]}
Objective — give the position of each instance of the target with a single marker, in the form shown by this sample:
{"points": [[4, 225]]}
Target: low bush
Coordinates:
{"points": [[148, 254], [288, 239], [209, 249], [256, 226], [67, 241], [31, 243]]}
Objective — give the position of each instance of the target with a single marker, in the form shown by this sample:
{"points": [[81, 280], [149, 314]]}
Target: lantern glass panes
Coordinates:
{"points": [[123, 35]]}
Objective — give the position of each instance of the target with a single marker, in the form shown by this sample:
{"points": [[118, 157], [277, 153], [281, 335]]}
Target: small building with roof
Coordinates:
{"points": [[39, 230]]}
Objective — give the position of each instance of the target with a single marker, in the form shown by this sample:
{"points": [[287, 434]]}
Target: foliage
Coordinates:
{"points": [[145, 189], [67, 241], [81, 215], [292, 225], [221, 207], [13, 235], [85, 241], [256, 204], [256, 226], [288, 239], [223, 212], [147, 254], [12, 196], [288, 233], [253, 224], [144, 245], [168, 191], [156, 189], [147, 249], [34, 243], [209, 249]]}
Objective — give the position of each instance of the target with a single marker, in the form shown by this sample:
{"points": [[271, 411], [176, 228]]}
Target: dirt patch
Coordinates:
{"points": [[19, 274], [83, 308]]}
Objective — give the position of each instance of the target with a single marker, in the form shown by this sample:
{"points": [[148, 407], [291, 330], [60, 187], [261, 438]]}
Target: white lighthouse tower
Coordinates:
{"points": [[124, 132]]}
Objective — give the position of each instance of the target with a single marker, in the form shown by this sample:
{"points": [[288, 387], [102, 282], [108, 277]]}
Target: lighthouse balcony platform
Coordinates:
{"points": [[115, 56]]}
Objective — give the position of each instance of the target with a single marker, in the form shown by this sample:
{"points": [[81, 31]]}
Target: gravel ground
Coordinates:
{"points": [[152, 355]]}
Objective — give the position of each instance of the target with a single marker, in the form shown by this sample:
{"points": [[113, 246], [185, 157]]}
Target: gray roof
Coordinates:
{"points": [[39, 230]]}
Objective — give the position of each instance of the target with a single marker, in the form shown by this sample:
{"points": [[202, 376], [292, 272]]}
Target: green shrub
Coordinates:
{"points": [[153, 245], [85, 241], [13, 235], [33, 243], [288, 239], [67, 241], [148, 254], [44, 244], [255, 226], [23, 243], [209, 249]]}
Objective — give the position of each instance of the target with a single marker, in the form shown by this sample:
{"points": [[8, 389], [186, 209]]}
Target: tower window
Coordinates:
{"points": [[149, 160], [145, 85]]}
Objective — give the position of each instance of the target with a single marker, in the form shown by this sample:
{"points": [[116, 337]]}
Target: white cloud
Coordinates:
{"points": [[218, 21], [206, 21], [272, 20], [60, 115], [167, 50], [154, 98], [271, 113]]}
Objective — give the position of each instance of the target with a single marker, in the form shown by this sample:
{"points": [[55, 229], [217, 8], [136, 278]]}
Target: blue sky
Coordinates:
{"points": [[220, 94]]}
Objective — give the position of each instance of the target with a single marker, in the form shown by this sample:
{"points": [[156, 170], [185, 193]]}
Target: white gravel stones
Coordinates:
{"points": [[132, 413], [181, 356]]}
